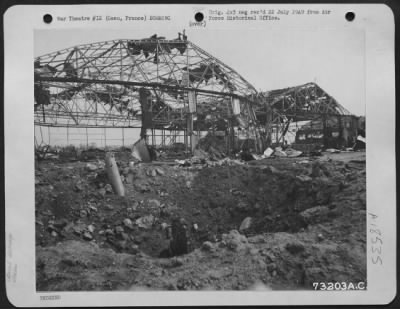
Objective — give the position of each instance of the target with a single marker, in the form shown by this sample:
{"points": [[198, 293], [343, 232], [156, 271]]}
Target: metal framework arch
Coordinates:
{"points": [[136, 83], [70, 84]]}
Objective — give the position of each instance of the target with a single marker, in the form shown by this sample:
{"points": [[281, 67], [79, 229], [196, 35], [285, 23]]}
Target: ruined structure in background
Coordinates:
{"points": [[331, 132], [178, 94], [316, 118], [167, 88]]}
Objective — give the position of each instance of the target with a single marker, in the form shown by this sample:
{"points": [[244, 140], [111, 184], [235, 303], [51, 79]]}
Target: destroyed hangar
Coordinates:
{"points": [[220, 187], [176, 93]]}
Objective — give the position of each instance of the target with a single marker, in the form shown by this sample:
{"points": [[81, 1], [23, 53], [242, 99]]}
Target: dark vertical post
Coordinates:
{"points": [[190, 131], [185, 139], [324, 131], [144, 97], [340, 138]]}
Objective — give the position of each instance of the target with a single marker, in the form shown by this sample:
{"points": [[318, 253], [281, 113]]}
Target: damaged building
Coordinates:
{"points": [[176, 94], [172, 90], [313, 118], [175, 173]]}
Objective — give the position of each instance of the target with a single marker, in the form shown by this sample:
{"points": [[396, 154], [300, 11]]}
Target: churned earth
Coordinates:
{"points": [[275, 223]]}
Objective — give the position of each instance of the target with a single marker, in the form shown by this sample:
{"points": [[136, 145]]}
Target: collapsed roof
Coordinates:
{"points": [[302, 102], [97, 84]]}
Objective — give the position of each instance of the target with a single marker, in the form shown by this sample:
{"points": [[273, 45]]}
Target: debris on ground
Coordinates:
{"points": [[213, 146], [332, 150], [268, 152], [279, 152], [272, 223], [140, 151], [145, 222], [291, 153], [234, 240], [246, 223], [360, 143]]}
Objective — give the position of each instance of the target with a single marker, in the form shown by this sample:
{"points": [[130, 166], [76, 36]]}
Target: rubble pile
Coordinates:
{"points": [[213, 146], [276, 222]]}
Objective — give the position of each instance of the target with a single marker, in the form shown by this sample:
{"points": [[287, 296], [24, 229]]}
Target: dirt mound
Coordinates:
{"points": [[274, 261], [307, 223]]}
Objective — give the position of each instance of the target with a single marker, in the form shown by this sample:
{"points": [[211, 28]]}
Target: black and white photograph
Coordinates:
{"points": [[159, 166], [194, 156]]}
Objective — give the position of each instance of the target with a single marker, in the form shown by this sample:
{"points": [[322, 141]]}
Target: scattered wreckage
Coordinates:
{"points": [[211, 177]]}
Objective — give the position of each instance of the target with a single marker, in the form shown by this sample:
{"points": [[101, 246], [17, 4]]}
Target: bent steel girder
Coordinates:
{"points": [[97, 84], [305, 102]]}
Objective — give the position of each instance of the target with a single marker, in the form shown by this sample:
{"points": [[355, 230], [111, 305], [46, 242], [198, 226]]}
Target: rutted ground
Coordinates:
{"points": [[306, 223]]}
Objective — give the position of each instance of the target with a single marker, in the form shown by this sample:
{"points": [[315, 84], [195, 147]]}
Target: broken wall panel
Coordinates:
{"points": [[236, 106], [192, 101], [140, 151]]}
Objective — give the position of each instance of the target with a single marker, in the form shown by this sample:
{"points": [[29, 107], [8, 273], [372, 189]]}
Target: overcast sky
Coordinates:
{"points": [[268, 59]]}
